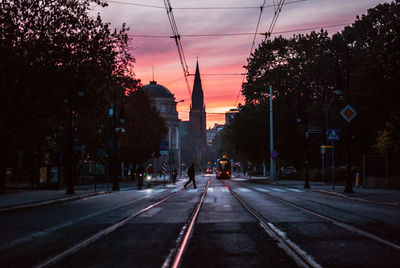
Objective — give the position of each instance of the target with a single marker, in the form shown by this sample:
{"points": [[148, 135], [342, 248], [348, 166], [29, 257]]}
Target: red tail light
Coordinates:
{"points": [[220, 172]]}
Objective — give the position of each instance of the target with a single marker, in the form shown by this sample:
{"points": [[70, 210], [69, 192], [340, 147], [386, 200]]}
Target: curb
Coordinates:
{"points": [[357, 199], [396, 205], [49, 202]]}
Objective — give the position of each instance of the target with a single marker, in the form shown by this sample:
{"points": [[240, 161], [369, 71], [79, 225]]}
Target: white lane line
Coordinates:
{"points": [[244, 190], [211, 190], [150, 213], [224, 190], [192, 190], [262, 190], [295, 190], [278, 190], [175, 190]]}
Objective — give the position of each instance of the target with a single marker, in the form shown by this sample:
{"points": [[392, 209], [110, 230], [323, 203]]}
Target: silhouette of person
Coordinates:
{"points": [[191, 174], [140, 175], [174, 174]]}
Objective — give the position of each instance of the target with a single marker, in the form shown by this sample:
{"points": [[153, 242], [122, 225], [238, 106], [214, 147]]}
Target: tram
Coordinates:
{"points": [[223, 168]]}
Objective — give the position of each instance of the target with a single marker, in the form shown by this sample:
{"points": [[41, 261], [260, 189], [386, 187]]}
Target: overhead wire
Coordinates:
{"points": [[178, 43], [202, 8], [242, 34], [252, 46], [274, 19], [277, 12]]}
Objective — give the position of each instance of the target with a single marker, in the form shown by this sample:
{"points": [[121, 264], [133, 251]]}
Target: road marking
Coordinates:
{"points": [[295, 190], [150, 213], [224, 190], [211, 190], [277, 190], [244, 190], [262, 190], [192, 190], [175, 190]]}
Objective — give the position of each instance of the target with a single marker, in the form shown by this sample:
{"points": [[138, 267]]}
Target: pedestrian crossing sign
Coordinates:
{"points": [[333, 135]]}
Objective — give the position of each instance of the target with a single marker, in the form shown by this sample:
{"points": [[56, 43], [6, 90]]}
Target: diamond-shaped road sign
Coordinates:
{"points": [[333, 135], [348, 113]]}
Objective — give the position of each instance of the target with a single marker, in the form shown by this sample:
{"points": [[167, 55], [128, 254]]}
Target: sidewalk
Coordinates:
{"points": [[378, 196], [25, 199]]}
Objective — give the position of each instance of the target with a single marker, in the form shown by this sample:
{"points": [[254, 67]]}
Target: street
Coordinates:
{"points": [[223, 223]]}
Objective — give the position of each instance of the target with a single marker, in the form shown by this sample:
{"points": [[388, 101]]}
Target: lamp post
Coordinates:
{"points": [[271, 136], [349, 186], [69, 170], [179, 149], [113, 171], [68, 149], [306, 144]]}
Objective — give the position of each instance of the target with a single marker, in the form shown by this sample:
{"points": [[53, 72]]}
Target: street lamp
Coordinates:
{"points": [[179, 149], [114, 117]]}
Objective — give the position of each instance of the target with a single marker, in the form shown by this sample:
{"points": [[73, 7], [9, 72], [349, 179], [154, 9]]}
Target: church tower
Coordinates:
{"points": [[197, 116]]}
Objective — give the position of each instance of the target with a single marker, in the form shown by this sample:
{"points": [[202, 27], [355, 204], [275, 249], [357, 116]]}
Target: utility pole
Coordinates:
{"points": [[271, 136], [349, 186], [69, 157], [325, 129], [306, 144]]}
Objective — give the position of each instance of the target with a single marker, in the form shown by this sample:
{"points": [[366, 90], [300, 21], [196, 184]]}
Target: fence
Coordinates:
{"points": [[381, 170]]}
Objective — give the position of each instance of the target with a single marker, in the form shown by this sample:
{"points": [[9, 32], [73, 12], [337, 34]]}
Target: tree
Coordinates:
{"points": [[56, 61], [144, 128]]}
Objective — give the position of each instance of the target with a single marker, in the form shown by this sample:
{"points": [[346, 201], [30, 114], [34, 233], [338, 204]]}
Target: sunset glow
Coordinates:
{"points": [[217, 54]]}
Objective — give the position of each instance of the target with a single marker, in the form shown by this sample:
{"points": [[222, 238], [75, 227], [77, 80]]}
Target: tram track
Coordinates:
{"points": [[99, 234], [44, 232], [176, 253], [175, 257], [291, 249], [336, 222]]}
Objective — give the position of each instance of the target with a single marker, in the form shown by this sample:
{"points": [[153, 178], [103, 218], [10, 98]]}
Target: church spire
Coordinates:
{"points": [[197, 94]]}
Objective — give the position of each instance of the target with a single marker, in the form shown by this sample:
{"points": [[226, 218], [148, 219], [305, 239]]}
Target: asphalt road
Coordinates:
{"points": [[222, 223]]}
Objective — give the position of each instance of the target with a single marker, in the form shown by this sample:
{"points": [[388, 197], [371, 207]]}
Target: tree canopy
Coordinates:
{"points": [[57, 61], [313, 77]]}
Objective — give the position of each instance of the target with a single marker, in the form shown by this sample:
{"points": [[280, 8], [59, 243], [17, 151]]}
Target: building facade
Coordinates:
{"points": [[165, 103], [193, 135]]}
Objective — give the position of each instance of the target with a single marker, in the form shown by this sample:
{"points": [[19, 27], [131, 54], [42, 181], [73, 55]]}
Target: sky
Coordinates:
{"points": [[222, 55]]}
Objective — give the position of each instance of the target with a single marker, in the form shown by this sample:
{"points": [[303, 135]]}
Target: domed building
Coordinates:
{"points": [[165, 103]]}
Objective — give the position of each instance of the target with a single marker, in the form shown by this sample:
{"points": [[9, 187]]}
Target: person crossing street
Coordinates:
{"points": [[191, 174]]}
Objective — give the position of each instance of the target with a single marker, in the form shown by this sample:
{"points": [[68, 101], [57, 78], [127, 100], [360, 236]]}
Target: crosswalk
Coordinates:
{"points": [[226, 190], [246, 190]]}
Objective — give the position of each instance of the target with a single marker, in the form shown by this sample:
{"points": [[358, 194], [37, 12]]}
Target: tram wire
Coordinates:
{"points": [[202, 8]]}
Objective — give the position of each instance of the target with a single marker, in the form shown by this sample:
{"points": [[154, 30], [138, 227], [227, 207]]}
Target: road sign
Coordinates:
{"points": [[333, 135], [326, 146], [348, 113], [274, 154], [314, 130], [164, 168], [164, 146]]}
